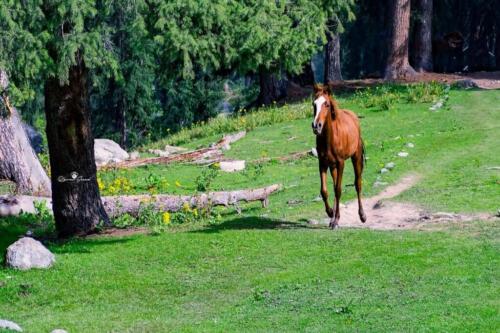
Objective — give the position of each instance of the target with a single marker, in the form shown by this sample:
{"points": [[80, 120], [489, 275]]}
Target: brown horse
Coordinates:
{"points": [[338, 137]]}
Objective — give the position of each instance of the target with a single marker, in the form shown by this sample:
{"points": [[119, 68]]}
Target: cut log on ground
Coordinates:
{"points": [[130, 204], [214, 152]]}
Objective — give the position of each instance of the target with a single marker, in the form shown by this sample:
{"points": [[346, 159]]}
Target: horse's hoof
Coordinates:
{"points": [[333, 224], [329, 212], [362, 217]]}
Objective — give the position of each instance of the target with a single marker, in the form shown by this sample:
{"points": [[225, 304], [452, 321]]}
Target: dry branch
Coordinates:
{"points": [[117, 205], [215, 151]]}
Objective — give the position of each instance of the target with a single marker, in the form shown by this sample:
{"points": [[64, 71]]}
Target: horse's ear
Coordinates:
{"points": [[318, 87], [328, 88]]}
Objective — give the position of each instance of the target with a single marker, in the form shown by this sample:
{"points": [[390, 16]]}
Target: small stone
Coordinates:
{"points": [[379, 204], [493, 168], [314, 152], [28, 253], [10, 325], [410, 145], [134, 155], [294, 202], [402, 154], [384, 170], [232, 166], [312, 221], [318, 198], [159, 152], [390, 165], [377, 183], [59, 330]]}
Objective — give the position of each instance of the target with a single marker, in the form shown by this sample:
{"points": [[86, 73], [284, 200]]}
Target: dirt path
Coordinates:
{"points": [[384, 214]]}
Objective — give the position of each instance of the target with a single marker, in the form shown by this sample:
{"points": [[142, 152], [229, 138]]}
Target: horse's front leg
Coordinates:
{"points": [[324, 192], [339, 171]]}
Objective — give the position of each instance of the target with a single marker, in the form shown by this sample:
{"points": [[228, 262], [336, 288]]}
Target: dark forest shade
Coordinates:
{"points": [[422, 45], [76, 204]]}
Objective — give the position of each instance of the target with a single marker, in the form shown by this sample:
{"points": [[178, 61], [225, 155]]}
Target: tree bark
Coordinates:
{"points": [[423, 37], [398, 66], [332, 59], [76, 201], [271, 87], [18, 161], [497, 40]]}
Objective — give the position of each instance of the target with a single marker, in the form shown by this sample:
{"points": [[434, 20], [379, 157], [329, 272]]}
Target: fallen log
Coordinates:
{"points": [[131, 204], [215, 151]]}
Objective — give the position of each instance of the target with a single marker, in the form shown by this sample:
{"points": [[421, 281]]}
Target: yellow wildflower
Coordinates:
{"points": [[166, 218], [100, 184], [186, 207], [178, 184], [195, 212]]}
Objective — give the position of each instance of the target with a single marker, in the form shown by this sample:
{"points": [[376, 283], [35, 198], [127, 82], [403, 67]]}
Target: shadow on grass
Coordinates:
{"points": [[252, 223]]}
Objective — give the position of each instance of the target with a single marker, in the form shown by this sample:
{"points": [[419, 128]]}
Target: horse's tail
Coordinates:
{"points": [[363, 153]]}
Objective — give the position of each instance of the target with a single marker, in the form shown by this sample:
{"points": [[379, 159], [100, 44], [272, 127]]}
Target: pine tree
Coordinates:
{"points": [[398, 66]]}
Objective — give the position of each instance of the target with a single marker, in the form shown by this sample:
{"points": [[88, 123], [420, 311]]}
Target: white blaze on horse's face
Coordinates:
{"points": [[317, 125]]}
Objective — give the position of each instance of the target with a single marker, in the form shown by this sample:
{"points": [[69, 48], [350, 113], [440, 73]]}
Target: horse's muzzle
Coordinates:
{"points": [[317, 128]]}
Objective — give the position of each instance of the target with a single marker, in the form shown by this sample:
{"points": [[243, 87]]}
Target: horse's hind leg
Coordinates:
{"points": [[357, 162], [334, 222], [324, 190]]}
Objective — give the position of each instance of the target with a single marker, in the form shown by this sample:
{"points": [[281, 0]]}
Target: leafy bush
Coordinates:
{"points": [[207, 176]]}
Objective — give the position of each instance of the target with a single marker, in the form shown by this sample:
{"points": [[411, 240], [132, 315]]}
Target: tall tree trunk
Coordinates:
{"points": [[398, 66], [271, 87], [497, 40], [332, 59], [18, 161], [423, 37], [76, 201]]}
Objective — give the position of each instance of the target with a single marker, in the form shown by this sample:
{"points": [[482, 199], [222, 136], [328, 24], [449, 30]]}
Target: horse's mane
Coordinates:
{"points": [[320, 89]]}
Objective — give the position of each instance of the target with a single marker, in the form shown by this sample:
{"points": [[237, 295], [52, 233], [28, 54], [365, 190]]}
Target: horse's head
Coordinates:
{"points": [[323, 106]]}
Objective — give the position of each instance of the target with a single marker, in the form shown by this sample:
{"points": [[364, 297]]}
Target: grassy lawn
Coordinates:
{"points": [[267, 269]]}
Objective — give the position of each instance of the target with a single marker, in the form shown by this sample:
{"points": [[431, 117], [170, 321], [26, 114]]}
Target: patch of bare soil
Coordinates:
{"points": [[484, 80], [384, 214]]}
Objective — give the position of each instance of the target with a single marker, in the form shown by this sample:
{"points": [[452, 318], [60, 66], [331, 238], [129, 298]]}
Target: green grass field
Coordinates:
{"points": [[267, 269]]}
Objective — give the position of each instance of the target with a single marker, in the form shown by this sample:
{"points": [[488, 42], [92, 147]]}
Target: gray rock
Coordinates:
{"points": [[10, 325], [390, 165], [410, 145], [493, 168], [28, 253], [402, 154], [377, 183], [59, 330], [384, 170], [134, 155], [232, 166], [466, 84], [312, 221], [36, 140], [107, 151]]}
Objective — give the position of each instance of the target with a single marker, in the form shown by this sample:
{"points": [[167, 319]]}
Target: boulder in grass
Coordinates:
{"points": [[59, 330], [10, 325], [232, 166], [28, 253], [107, 151]]}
